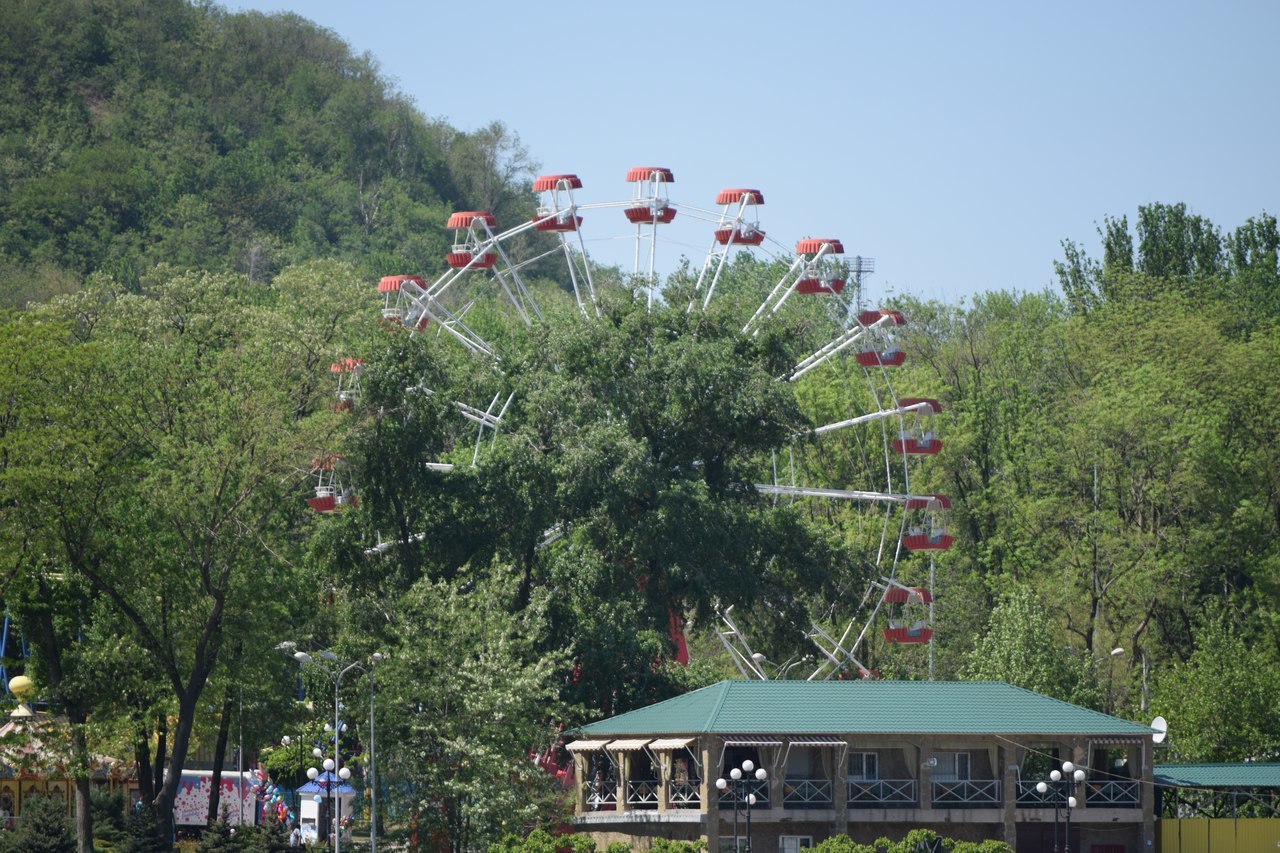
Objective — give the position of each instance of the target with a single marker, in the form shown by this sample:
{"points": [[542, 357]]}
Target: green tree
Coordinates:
{"points": [[464, 697], [219, 837], [176, 509], [108, 815], [43, 828], [144, 833], [1023, 646], [1222, 702]]}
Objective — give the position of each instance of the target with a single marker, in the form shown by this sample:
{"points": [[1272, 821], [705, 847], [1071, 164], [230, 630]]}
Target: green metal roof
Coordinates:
{"points": [[1245, 774], [856, 707]]}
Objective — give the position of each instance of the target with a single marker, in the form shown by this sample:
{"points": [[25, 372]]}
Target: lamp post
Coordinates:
{"points": [[1110, 659], [739, 783], [336, 674], [337, 775], [287, 742], [1073, 776]]}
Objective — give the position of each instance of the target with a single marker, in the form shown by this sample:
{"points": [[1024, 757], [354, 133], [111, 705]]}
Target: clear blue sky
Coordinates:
{"points": [[955, 143]]}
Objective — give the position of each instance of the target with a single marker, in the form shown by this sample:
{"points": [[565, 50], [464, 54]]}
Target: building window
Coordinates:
{"points": [[864, 767], [952, 767], [794, 843]]}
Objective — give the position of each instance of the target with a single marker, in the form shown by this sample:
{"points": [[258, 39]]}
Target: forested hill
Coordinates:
{"points": [[134, 132]]}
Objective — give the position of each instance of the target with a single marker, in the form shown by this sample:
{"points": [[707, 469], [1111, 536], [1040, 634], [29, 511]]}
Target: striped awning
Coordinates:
{"points": [[627, 745], [1116, 741], [817, 741], [671, 743], [586, 745], [752, 741]]}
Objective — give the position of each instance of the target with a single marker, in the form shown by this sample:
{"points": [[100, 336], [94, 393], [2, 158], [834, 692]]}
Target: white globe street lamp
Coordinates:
{"points": [[739, 786], [336, 674], [1072, 776]]}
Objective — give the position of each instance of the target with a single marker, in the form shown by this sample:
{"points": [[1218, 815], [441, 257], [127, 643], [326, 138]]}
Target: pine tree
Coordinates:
{"points": [[219, 837], [43, 827], [143, 834]]}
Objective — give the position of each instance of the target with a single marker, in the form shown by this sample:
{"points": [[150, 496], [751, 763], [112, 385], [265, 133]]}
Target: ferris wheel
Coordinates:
{"points": [[858, 457]]}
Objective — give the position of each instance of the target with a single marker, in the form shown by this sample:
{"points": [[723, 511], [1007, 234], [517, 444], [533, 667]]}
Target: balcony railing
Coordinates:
{"points": [[684, 794], [642, 793], [759, 787], [967, 793], [601, 796], [1116, 793], [881, 793], [1029, 797], [806, 794], [1123, 793]]}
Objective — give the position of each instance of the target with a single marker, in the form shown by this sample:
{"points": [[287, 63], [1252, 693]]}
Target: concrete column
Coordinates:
{"points": [[1009, 794], [840, 790], [624, 775], [777, 773], [708, 794], [579, 780], [665, 772], [925, 776], [1148, 789]]}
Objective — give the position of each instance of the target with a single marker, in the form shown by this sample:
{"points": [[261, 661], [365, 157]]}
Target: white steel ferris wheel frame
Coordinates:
{"points": [[479, 248]]}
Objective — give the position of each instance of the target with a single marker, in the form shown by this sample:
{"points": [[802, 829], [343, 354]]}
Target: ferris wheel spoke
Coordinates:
{"points": [[736, 225], [409, 303], [810, 273], [860, 330], [839, 494]]}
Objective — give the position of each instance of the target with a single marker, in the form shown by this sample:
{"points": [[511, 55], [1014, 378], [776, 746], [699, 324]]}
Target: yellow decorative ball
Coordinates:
{"points": [[21, 686]]}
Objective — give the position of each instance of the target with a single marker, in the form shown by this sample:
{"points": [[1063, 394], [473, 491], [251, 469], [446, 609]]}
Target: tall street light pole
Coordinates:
{"points": [[721, 785], [740, 782], [1073, 776], [336, 676], [1043, 788]]}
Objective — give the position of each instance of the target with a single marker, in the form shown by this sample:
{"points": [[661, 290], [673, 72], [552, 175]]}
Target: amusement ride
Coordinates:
{"points": [[878, 437]]}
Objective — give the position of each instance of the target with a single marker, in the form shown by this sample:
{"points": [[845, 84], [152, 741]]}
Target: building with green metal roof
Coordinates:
{"points": [[1224, 806], [868, 759]]}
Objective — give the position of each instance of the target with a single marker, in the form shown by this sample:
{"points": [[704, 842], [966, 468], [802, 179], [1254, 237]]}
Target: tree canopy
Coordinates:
{"points": [[196, 207]]}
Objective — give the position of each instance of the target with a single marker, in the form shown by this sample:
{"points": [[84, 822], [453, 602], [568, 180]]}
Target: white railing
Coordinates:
{"points": [[759, 787], [601, 795], [967, 792], [1118, 792], [806, 793], [642, 793], [684, 795], [882, 792], [1027, 795]]}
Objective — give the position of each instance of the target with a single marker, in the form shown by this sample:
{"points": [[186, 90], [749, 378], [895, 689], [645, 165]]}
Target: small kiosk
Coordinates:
{"points": [[317, 801]]}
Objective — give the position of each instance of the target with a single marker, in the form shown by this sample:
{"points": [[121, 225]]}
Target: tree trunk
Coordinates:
{"points": [[142, 758], [219, 756], [162, 741], [168, 792], [76, 717], [84, 815]]}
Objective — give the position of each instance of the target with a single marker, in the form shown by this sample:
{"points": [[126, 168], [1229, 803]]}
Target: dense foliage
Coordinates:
{"points": [[134, 133], [195, 208]]}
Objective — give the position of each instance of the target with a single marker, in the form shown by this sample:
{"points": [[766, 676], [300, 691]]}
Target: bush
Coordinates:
{"points": [[143, 833], [108, 815], [42, 828]]}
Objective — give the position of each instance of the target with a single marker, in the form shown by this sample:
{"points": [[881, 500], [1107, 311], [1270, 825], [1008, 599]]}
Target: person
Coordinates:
{"points": [[596, 798], [295, 836]]}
